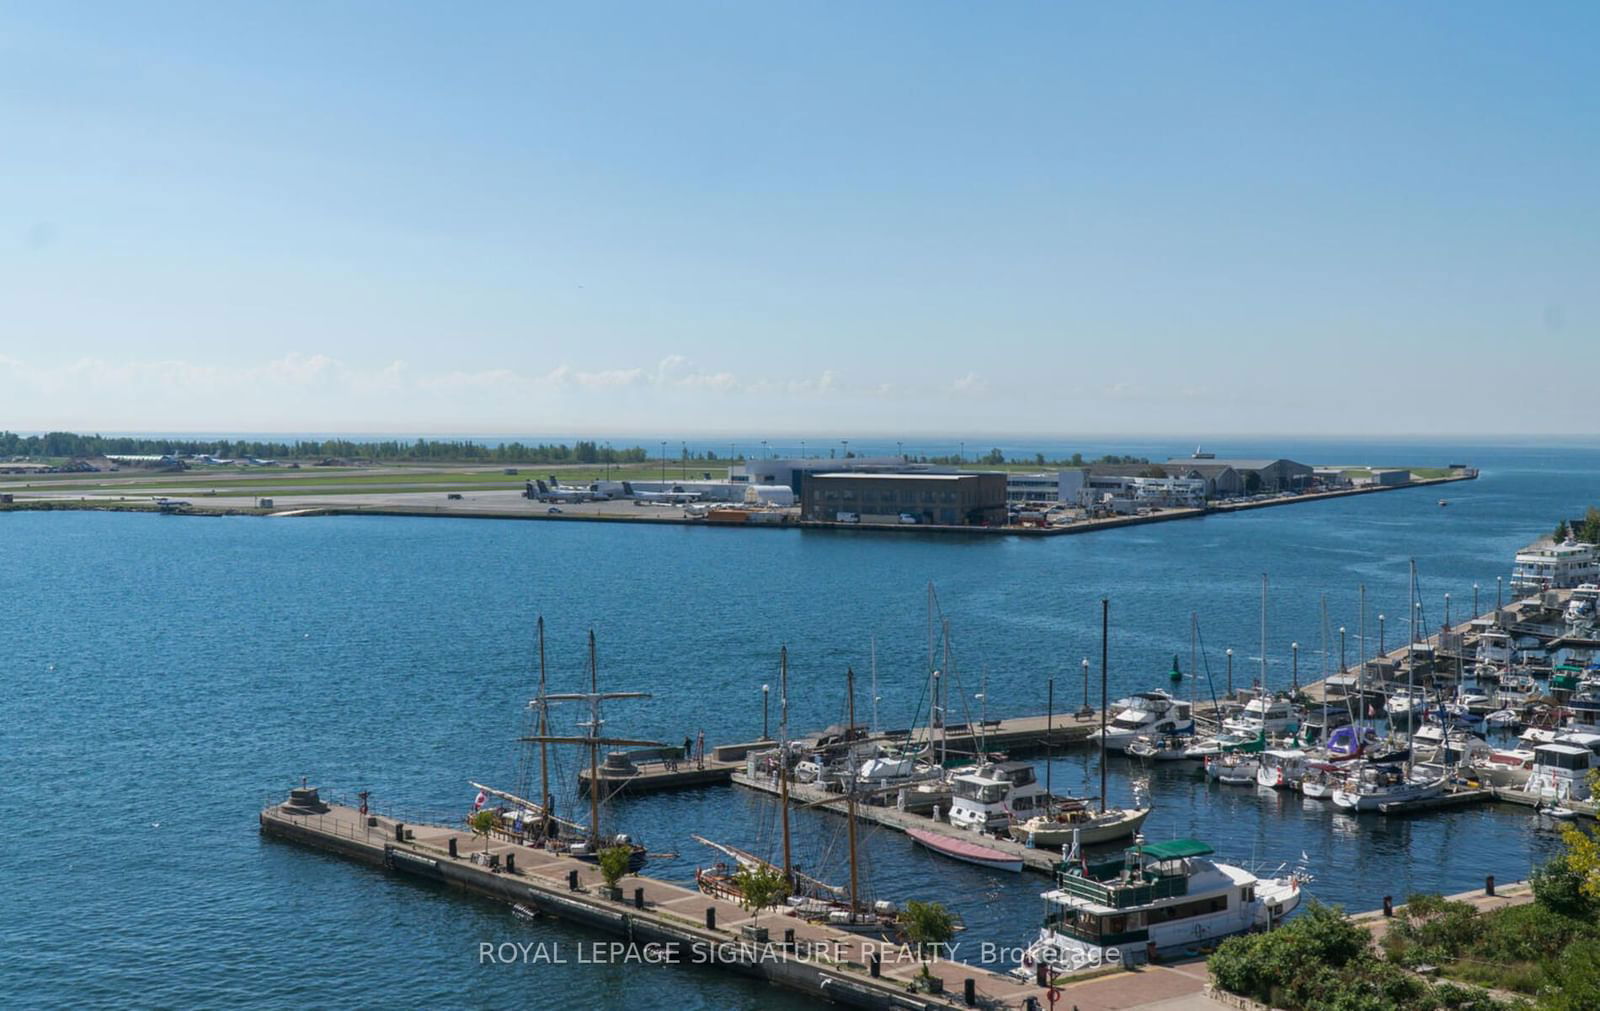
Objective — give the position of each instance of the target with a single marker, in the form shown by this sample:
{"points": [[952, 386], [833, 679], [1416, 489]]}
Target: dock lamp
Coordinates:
{"points": [[1294, 669], [1381, 652], [1447, 612], [1475, 611], [766, 691], [1230, 672], [1342, 665], [1087, 709], [1497, 592]]}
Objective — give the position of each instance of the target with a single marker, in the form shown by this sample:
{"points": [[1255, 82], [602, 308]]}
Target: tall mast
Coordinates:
{"points": [[1411, 668], [943, 688], [1264, 693], [1361, 654], [873, 726], [1194, 634], [850, 708], [594, 745], [544, 731], [1105, 626], [783, 758]]}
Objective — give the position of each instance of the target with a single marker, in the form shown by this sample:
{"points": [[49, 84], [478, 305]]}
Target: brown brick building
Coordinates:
{"points": [[946, 499]]}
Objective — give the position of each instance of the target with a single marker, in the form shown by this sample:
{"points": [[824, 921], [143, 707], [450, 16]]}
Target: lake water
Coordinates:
{"points": [[165, 676]]}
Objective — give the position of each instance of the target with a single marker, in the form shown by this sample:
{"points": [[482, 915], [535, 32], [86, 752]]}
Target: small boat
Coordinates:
{"points": [[1503, 718], [1558, 813], [1093, 827], [968, 852], [1236, 768], [1162, 748], [1320, 780], [524, 912], [1281, 767], [1444, 502]]}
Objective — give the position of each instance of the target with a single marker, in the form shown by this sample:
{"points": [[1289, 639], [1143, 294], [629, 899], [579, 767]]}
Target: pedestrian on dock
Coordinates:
{"points": [[702, 749]]}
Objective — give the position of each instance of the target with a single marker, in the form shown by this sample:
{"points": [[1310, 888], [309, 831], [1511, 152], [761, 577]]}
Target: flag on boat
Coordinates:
{"points": [[477, 805]]}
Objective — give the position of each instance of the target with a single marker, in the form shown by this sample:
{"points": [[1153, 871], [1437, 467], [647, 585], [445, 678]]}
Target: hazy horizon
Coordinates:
{"points": [[905, 218]]}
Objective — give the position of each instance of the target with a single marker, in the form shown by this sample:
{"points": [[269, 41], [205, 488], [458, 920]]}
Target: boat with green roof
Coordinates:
{"points": [[1156, 899]]}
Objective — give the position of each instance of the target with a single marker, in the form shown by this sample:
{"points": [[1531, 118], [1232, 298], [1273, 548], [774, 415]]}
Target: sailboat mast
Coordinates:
{"points": [[594, 745], [1411, 669], [942, 687], [1263, 693], [873, 726], [1105, 627], [544, 731], [1361, 653], [850, 711], [1194, 634], [783, 759]]}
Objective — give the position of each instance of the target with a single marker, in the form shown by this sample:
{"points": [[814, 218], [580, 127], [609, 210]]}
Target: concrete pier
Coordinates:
{"points": [[682, 924]]}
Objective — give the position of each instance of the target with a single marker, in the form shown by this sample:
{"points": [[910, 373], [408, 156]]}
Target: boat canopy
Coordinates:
{"points": [[1178, 849]]}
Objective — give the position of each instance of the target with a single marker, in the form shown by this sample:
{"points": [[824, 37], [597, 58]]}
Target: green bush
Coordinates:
{"points": [[1259, 965], [1574, 979], [1557, 886]]}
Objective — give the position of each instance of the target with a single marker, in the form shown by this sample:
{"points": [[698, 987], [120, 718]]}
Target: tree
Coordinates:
{"points": [[480, 823], [1561, 532], [760, 887], [928, 925], [1589, 533], [614, 862], [1583, 857], [1574, 979]]}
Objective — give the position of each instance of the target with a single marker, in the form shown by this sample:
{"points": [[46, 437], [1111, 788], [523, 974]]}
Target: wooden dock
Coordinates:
{"points": [[1042, 860], [663, 922]]}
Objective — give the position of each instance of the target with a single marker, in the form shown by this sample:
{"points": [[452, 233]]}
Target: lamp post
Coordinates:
{"points": [[1381, 652], [900, 449], [1230, 672], [1087, 709], [766, 691], [1447, 611], [1475, 611], [845, 452], [1294, 666], [1342, 666], [663, 465], [1497, 604]]}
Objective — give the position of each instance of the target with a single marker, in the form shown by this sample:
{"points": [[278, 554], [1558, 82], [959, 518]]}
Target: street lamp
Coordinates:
{"points": [[1475, 611], [1342, 666], [663, 465], [1447, 611], [1230, 672], [845, 452], [900, 449], [1087, 709], [1381, 652], [765, 693], [1497, 604], [1294, 668]]}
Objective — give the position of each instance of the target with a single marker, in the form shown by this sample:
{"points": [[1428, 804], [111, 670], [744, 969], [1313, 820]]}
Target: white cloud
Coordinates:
{"points": [[971, 383]]}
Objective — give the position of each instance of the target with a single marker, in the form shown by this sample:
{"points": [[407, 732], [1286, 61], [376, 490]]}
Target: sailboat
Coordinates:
{"points": [[1240, 765], [535, 822], [1370, 785]]}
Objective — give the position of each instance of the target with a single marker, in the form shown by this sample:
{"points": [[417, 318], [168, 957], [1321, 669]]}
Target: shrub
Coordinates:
{"points": [[614, 862], [1573, 979]]}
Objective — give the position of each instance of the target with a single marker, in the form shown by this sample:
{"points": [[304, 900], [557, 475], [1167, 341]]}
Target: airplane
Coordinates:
{"points": [[677, 496], [555, 492]]}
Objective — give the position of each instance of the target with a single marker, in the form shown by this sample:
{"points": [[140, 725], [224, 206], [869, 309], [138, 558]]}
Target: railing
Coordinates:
{"points": [[1122, 896]]}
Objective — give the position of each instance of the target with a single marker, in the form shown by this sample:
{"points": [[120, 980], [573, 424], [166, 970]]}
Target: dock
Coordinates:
{"points": [[1445, 801], [662, 923], [650, 771], [1042, 860]]}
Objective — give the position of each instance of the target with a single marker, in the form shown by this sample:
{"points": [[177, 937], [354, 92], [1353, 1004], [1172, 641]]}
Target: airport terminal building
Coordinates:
{"points": [[966, 499]]}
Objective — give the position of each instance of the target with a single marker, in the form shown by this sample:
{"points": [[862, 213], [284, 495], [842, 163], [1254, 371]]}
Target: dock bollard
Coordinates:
{"points": [[638, 898], [874, 966], [1388, 905], [1488, 885], [452, 847], [788, 937], [399, 831], [511, 863], [572, 881], [969, 992], [1041, 973], [711, 917]]}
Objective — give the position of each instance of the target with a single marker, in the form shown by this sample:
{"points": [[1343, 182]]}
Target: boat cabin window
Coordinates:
{"points": [[1021, 777], [1247, 895]]}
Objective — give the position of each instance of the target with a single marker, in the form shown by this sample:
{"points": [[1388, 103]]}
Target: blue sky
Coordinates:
{"points": [[774, 217]]}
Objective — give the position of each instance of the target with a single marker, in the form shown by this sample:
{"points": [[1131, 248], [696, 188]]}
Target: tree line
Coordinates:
{"points": [[70, 444]]}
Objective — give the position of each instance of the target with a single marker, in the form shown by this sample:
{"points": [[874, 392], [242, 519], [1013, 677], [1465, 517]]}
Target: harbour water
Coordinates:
{"points": [[164, 675]]}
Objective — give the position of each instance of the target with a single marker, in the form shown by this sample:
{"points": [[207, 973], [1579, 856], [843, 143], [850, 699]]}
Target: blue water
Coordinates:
{"points": [[164, 676]]}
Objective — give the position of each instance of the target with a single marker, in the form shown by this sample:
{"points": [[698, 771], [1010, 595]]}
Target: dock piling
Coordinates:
{"points": [[452, 847], [1388, 905], [572, 881], [969, 992], [711, 917], [1488, 885], [638, 898]]}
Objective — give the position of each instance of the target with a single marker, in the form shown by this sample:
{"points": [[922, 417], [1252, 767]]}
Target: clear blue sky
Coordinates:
{"points": [[787, 217]]}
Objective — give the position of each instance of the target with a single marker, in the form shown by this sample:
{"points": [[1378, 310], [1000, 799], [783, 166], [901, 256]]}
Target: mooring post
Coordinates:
{"points": [[511, 863], [452, 847], [788, 937], [970, 992], [1041, 973], [874, 966], [711, 917], [399, 831], [1388, 905], [1488, 885], [638, 898], [572, 881]]}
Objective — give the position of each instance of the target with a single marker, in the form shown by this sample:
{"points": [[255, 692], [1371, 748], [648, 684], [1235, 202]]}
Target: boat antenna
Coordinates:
{"points": [[783, 759], [1105, 627]]}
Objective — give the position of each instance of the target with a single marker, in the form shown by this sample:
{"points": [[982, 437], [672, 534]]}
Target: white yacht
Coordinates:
{"points": [[1515, 691], [1561, 772], [1154, 712], [1235, 768], [1264, 714], [989, 797], [894, 767], [1581, 605], [1506, 767], [1166, 896], [1282, 767], [1402, 701], [1494, 652], [1546, 565], [1368, 786]]}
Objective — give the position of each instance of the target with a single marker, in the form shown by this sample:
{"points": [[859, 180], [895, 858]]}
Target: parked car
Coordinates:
{"points": [[453, 495]]}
